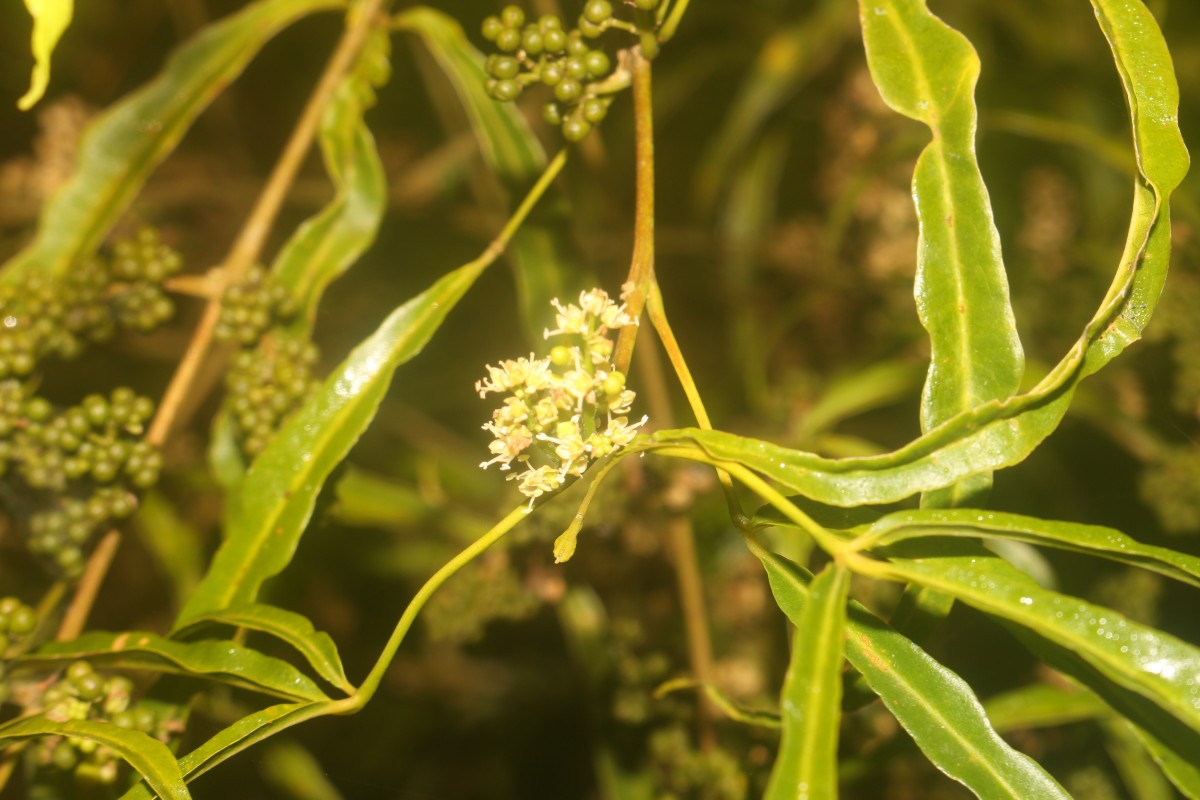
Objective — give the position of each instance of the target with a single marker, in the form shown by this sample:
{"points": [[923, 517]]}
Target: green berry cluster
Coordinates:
{"points": [[81, 693], [140, 266], [266, 384], [252, 305], [544, 52], [17, 621], [80, 466], [681, 771]]}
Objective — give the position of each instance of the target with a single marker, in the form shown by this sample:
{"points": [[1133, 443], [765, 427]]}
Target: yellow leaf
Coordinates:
{"points": [[50, 19]]}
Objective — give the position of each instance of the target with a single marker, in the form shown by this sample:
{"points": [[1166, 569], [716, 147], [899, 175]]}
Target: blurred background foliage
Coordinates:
{"points": [[786, 240]]}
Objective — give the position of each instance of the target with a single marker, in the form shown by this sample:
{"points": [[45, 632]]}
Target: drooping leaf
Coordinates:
{"points": [[937, 708], [219, 660], [1090, 539], [806, 765], [326, 245], [1042, 705], [295, 629], [125, 143], [1139, 772], [147, 755], [757, 717], [50, 19], [268, 512], [1149, 662], [247, 731], [927, 71]]}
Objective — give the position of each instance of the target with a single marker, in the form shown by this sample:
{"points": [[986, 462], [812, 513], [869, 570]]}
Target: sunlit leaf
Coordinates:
{"points": [[50, 19], [806, 765], [125, 143], [147, 755], [937, 708], [294, 629], [224, 661], [271, 507]]}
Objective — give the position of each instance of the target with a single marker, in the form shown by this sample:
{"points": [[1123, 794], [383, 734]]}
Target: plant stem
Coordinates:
{"points": [[88, 587], [371, 683], [641, 268]]}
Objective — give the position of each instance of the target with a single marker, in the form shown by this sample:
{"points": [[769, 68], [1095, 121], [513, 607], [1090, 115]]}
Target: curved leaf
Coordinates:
{"points": [[144, 753], [1041, 705], [127, 141], [294, 629], [812, 694], [1139, 658], [935, 706], [927, 71], [50, 19], [1092, 540], [327, 245], [247, 731], [218, 660], [272, 504]]}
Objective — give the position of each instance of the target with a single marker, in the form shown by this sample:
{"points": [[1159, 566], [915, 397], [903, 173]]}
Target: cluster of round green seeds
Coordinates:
{"points": [[83, 694], [41, 316], [17, 621], [80, 466], [544, 52], [266, 384], [252, 305]]}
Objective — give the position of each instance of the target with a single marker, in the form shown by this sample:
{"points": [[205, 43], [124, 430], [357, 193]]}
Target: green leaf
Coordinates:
{"points": [[173, 543], [127, 141], [225, 458], [295, 629], [1089, 539], [540, 251], [927, 71], [1138, 771], [509, 147], [327, 245], [812, 694], [1041, 705], [225, 661], [756, 717], [935, 706], [1152, 663], [247, 731], [50, 19], [147, 755], [295, 772], [271, 506]]}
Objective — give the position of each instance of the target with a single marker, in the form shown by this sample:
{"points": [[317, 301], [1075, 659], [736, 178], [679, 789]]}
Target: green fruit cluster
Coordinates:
{"points": [[544, 52], [253, 305], [266, 384], [17, 621], [81, 693], [81, 466]]}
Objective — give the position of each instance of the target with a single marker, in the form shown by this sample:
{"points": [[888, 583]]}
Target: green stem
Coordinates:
{"points": [[667, 31], [371, 683]]}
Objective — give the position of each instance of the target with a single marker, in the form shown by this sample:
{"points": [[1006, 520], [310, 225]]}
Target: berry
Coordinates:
{"points": [[594, 110], [491, 28], [597, 63], [509, 40], [552, 114], [575, 129], [568, 90], [552, 73], [504, 67], [512, 16], [554, 40], [597, 11], [507, 90], [532, 41]]}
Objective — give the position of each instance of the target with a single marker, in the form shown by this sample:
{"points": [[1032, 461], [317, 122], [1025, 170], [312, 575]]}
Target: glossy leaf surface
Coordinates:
{"points": [[219, 660], [272, 504], [147, 755], [124, 144], [937, 708], [806, 766]]}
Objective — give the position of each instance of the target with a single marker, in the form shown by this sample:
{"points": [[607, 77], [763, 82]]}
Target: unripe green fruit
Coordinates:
{"points": [[507, 89], [552, 114], [590, 29], [560, 356], [491, 28], [576, 46], [568, 90], [554, 40], [597, 63], [575, 129], [504, 67], [597, 11], [532, 41], [594, 110], [512, 16], [575, 68], [552, 73], [549, 22], [509, 40]]}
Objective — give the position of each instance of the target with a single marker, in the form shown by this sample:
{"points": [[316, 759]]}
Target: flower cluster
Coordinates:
{"points": [[567, 409]]}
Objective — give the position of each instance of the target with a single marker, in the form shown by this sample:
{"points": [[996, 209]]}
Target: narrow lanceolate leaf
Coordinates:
{"points": [[272, 504], [1042, 705], [1152, 663], [1090, 539], [508, 145], [326, 245], [288, 626], [50, 19], [147, 755], [540, 252], [806, 766], [935, 706], [927, 71], [126, 142], [237, 737], [218, 660]]}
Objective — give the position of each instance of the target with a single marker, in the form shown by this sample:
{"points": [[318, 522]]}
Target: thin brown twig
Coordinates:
{"points": [[88, 587]]}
